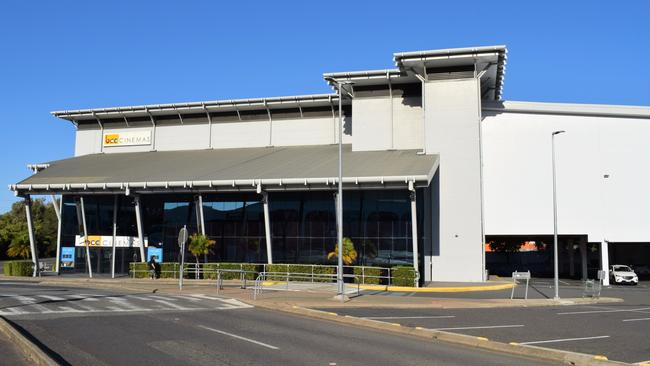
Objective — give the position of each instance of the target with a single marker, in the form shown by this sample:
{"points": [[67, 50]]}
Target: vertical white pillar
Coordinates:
{"points": [[83, 222], [267, 227], [138, 219], [30, 233], [114, 235], [201, 217], [58, 233], [604, 261], [414, 228]]}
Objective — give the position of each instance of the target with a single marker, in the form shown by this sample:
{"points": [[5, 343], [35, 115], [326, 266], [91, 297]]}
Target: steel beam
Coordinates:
{"points": [[30, 232], [85, 228], [114, 235], [267, 227], [414, 228], [138, 219], [58, 233]]}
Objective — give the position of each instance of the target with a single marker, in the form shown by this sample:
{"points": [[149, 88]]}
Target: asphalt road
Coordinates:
{"points": [[616, 330], [92, 327]]}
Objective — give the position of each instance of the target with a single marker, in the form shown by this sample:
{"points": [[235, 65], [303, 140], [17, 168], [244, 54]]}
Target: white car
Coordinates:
{"points": [[623, 274]]}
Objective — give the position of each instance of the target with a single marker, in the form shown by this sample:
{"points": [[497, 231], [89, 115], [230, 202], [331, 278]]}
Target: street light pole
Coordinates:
{"points": [[555, 254], [339, 200]]}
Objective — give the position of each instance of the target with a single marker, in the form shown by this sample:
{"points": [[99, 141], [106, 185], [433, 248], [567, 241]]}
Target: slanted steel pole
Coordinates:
{"points": [[555, 254], [30, 233], [414, 229], [58, 232], [339, 201], [57, 209], [267, 228], [114, 235], [201, 217], [138, 219], [86, 242]]}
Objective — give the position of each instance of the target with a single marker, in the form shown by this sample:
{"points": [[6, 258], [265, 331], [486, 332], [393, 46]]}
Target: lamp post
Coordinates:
{"points": [[555, 255], [339, 200]]}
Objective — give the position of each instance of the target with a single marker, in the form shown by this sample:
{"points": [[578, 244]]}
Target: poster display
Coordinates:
{"points": [[106, 241]]}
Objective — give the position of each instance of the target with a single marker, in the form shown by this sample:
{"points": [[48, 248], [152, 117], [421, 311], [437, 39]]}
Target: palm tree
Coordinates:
{"points": [[200, 245], [349, 253]]}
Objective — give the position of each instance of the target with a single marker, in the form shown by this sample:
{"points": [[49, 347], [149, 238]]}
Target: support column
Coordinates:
{"points": [[267, 227], [30, 233], [604, 261], [414, 229], [138, 219], [201, 217], [58, 233], [85, 228], [114, 236], [583, 257], [572, 266]]}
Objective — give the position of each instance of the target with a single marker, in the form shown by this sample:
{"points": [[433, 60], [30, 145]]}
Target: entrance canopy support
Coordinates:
{"points": [[86, 241], [267, 224], [138, 219], [114, 235], [414, 230], [59, 210], [604, 261], [200, 217], [30, 233]]}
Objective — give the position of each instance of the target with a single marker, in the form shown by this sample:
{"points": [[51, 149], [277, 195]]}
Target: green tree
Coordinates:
{"points": [[14, 238], [200, 245], [349, 253]]}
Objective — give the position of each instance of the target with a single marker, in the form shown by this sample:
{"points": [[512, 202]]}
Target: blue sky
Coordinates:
{"points": [[86, 54]]}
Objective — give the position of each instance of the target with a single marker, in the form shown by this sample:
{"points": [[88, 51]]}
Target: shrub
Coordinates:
{"points": [[371, 275], [142, 270], [300, 268], [403, 276], [349, 253], [18, 268], [231, 275]]}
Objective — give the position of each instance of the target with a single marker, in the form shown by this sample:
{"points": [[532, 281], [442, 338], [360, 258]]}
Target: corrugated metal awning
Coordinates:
{"points": [[300, 167]]}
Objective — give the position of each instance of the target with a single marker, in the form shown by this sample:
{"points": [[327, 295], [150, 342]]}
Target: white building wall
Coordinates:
{"points": [[305, 131], [372, 124], [518, 181], [286, 132], [409, 123], [452, 131]]}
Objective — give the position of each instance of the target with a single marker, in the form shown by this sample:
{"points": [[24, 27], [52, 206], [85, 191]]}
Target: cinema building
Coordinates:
{"points": [[439, 173]]}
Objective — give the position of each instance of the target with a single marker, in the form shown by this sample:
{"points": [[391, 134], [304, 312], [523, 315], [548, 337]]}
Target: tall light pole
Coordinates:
{"points": [[555, 258], [339, 200]]}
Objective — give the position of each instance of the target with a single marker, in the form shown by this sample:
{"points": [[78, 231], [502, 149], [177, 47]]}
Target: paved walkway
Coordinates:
{"points": [[304, 298]]}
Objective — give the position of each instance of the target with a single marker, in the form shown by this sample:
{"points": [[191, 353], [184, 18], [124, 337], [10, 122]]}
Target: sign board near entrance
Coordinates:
{"points": [[127, 138], [67, 257], [106, 241]]}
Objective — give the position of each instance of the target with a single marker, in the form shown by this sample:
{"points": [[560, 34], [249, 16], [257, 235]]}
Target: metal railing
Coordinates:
{"points": [[288, 277], [364, 275]]}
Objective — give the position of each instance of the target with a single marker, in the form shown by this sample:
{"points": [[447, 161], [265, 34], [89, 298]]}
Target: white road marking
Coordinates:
{"points": [[124, 303], [636, 320], [603, 311], [240, 337], [411, 317], [53, 298], [161, 297], [482, 327], [564, 340], [25, 299], [201, 296], [68, 309], [172, 305]]}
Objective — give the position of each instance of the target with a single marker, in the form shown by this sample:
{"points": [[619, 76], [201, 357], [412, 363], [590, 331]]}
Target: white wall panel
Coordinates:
{"points": [[304, 131], [518, 180]]}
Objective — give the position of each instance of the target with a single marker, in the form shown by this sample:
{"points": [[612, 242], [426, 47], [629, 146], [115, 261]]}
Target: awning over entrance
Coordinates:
{"points": [[275, 168]]}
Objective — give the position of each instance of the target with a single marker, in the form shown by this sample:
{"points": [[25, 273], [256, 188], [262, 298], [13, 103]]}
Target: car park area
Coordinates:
{"points": [[616, 330]]}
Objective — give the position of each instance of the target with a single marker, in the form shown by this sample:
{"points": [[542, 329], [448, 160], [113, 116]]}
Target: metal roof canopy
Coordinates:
{"points": [[491, 59], [297, 101], [275, 168]]}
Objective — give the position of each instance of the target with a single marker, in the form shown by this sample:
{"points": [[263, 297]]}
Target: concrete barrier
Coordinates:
{"points": [[31, 351]]}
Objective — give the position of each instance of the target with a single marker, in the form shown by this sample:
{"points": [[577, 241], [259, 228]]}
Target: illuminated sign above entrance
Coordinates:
{"points": [[128, 138], [106, 241]]}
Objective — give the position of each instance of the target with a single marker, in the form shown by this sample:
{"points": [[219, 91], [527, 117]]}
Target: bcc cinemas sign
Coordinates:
{"points": [[128, 138]]}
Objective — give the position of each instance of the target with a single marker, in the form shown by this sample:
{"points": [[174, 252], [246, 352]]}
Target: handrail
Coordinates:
{"points": [[263, 276]]}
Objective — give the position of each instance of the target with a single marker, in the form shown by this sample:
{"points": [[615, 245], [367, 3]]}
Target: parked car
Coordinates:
{"points": [[619, 273]]}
